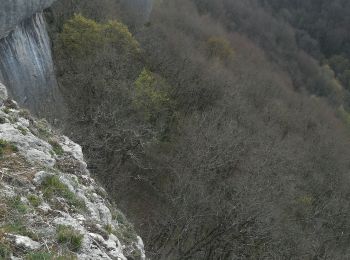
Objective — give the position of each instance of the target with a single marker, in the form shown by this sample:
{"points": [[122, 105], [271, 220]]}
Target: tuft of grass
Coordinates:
{"points": [[42, 129], [52, 186], [46, 255], [14, 222], [34, 200], [5, 251], [40, 256], [119, 217], [17, 205], [18, 227], [7, 110], [24, 113], [22, 130], [109, 228], [7, 148], [56, 147], [70, 237]]}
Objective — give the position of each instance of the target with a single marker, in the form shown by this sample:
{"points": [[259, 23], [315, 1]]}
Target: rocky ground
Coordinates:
{"points": [[50, 207]]}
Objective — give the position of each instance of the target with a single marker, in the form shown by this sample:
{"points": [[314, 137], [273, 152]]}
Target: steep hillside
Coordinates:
{"points": [[217, 135], [50, 207]]}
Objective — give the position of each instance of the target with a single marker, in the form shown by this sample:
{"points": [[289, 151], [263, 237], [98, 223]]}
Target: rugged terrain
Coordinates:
{"points": [[50, 207]]}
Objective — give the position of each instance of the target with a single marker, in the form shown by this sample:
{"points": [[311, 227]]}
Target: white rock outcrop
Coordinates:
{"points": [[46, 187]]}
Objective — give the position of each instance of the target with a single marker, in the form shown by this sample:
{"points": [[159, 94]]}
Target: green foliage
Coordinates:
{"points": [[219, 47], [339, 63], [13, 215], [24, 113], [7, 110], [305, 200], [344, 116], [345, 79], [39, 256], [45, 255], [125, 230], [82, 37], [34, 200], [5, 251], [42, 129], [16, 225], [151, 97], [7, 148], [109, 228], [69, 237], [22, 130], [56, 147], [52, 186], [119, 217], [17, 205]]}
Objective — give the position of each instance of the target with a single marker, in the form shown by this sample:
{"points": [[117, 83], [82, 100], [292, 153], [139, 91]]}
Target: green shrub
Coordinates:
{"points": [[17, 205], [34, 200], [22, 130], [24, 113], [40, 256], [52, 186], [16, 225], [82, 37], [5, 251], [43, 128], [70, 237], [220, 48], [151, 97], [7, 148], [109, 228], [56, 147]]}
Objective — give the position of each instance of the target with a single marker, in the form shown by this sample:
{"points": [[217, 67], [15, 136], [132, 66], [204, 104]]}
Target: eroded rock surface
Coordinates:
{"points": [[13, 12], [49, 204]]}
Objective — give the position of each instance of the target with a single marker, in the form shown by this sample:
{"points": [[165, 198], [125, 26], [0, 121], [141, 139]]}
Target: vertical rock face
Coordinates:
{"points": [[13, 12], [26, 66]]}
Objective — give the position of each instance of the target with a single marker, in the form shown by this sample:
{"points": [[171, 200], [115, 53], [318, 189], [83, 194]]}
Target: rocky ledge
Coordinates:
{"points": [[50, 207]]}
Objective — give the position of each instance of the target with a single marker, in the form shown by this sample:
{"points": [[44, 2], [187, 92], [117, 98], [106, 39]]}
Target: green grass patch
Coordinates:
{"points": [[34, 200], [45, 255], [109, 228], [7, 110], [17, 205], [40, 256], [5, 251], [56, 147], [52, 186], [7, 148], [22, 130], [69, 237], [24, 113], [43, 129]]}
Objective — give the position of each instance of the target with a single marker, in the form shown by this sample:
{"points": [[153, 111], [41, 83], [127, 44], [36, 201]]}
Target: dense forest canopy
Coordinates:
{"points": [[220, 126]]}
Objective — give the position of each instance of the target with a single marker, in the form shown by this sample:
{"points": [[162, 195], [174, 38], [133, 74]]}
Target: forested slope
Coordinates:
{"points": [[218, 133]]}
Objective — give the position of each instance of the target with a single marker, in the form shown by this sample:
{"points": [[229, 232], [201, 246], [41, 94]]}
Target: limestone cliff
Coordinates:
{"points": [[26, 66], [13, 12]]}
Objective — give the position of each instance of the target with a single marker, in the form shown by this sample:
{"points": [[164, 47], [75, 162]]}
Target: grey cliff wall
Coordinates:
{"points": [[26, 65], [13, 12]]}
